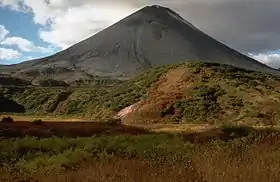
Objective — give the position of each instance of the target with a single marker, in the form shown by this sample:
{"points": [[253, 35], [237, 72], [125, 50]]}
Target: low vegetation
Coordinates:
{"points": [[37, 121], [211, 93], [66, 129], [191, 92], [229, 153], [52, 83], [107, 150], [203, 104], [93, 102]]}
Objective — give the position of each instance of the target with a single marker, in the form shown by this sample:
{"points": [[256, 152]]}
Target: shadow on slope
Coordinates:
{"points": [[227, 133], [10, 106], [12, 81]]}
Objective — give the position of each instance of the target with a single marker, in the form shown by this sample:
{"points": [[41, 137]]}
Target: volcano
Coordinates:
{"points": [[150, 37]]}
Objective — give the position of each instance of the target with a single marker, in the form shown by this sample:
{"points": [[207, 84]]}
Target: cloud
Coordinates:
{"points": [[67, 22], [78, 23], [24, 45], [3, 32], [17, 5], [9, 54], [12, 4], [271, 59]]}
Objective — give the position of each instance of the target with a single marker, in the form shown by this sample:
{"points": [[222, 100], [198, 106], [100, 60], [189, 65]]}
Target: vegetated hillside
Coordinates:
{"points": [[150, 37], [90, 80], [192, 92], [212, 93], [92, 102]]}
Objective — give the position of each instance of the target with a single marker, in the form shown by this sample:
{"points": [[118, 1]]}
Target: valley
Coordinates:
{"points": [[181, 93], [151, 127], [150, 98]]}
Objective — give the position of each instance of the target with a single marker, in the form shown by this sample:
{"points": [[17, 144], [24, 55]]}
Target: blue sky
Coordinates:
{"points": [[36, 28], [20, 24]]}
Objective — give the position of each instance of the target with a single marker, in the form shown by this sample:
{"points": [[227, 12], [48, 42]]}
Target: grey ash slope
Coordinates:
{"points": [[150, 37]]}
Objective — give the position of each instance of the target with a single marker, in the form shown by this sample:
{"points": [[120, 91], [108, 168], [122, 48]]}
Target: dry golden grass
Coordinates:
{"points": [[228, 153], [126, 171], [174, 128], [252, 166]]}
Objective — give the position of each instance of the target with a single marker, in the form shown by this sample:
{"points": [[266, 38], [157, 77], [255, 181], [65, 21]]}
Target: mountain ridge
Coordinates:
{"points": [[150, 37], [181, 93]]}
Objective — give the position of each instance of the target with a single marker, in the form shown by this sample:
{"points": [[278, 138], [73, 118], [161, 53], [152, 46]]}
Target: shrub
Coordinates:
{"points": [[236, 130], [235, 102], [37, 121], [202, 106], [7, 120], [113, 122]]}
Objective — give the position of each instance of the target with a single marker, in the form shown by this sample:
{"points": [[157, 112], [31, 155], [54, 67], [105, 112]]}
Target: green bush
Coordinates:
{"points": [[37, 121], [113, 122], [236, 130], [202, 106], [32, 153]]}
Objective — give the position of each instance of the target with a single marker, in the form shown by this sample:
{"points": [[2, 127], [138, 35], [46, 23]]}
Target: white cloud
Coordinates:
{"points": [[3, 32], [9, 54], [17, 5], [24, 45], [67, 22], [13, 4], [270, 59], [78, 23]]}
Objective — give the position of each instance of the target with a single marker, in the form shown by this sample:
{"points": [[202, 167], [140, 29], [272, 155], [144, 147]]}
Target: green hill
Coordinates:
{"points": [[190, 92], [91, 102]]}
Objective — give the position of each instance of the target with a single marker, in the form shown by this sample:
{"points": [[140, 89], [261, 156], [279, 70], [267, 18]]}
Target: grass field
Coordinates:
{"points": [[122, 153]]}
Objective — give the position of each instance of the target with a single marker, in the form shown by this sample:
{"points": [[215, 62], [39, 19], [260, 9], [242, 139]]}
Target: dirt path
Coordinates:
{"points": [[169, 128], [175, 128]]}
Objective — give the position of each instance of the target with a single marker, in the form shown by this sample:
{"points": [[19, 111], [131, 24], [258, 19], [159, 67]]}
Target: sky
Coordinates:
{"points": [[32, 29]]}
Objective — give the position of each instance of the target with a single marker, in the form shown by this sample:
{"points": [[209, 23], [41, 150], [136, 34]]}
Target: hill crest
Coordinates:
{"points": [[184, 93], [150, 37]]}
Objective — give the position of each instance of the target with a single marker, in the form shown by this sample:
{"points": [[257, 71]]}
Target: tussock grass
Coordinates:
{"points": [[246, 155]]}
